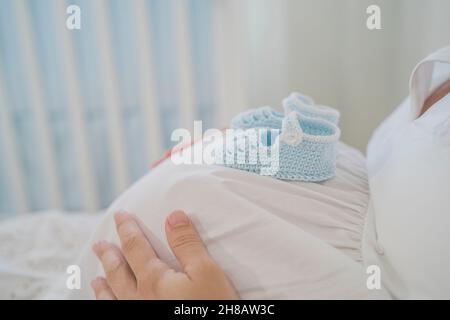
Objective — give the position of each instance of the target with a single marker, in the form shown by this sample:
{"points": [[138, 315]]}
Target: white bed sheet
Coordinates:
{"points": [[36, 249]]}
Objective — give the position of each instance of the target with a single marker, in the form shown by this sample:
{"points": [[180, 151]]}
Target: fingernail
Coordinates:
{"points": [[120, 215], [128, 227], [95, 283], [110, 260], [97, 245], [178, 218]]}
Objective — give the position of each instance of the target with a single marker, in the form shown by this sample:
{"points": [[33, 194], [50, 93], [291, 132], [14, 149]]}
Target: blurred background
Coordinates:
{"points": [[84, 112]]}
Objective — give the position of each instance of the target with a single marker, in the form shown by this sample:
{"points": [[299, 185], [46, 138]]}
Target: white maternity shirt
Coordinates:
{"points": [[408, 161], [294, 240]]}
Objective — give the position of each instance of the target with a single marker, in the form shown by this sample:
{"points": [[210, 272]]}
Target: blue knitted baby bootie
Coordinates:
{"points": [[267, 117], [295, 102], [262, 117], [303, 150]]}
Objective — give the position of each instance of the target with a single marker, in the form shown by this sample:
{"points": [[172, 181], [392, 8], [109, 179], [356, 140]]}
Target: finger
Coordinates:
{"points": [[185, 241], [137, 249], [102, 290], [118, 273]]}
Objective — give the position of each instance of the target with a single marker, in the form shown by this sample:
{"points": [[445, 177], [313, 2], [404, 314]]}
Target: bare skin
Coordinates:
{"points": [[437, 95], [135, 272]]}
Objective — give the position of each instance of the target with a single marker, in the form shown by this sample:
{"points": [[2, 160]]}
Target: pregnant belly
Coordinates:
{"points": [[274, 239]]}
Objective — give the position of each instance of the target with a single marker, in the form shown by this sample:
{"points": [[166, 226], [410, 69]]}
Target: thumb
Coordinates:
{"points": [[184, 240]]}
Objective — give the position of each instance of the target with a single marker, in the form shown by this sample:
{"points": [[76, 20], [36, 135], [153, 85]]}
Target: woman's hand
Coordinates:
{"points": [[135, 272]]}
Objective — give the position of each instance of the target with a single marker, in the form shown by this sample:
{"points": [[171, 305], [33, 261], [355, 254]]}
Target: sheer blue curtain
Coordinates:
{"points": [[121, 25]]}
